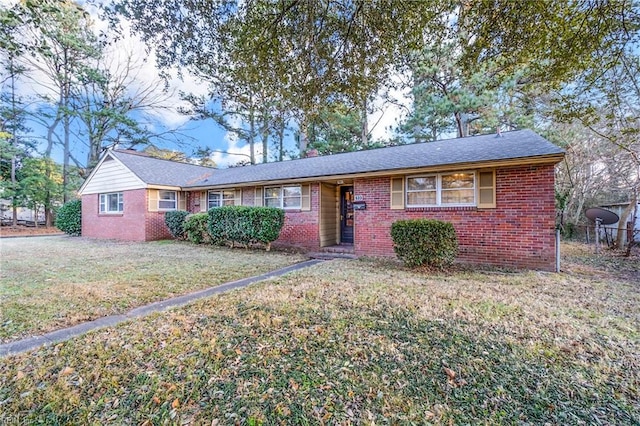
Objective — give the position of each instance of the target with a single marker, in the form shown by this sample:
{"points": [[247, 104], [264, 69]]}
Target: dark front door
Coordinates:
{"points": [[346, 214]]}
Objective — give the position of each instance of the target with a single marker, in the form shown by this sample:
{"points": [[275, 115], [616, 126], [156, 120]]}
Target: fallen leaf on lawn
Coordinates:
{"points": [[67, 371], [175, 403], [450, 373], [19, 375], [156, 400]]}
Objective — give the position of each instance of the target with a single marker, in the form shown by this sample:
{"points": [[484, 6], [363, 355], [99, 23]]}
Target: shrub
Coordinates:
{"points": [[424, 242], [245, 225], [175, 222], [196, 229], [69, 218]]}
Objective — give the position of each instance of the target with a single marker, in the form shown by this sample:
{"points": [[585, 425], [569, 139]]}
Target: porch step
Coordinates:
{"points": [[329, 256], [341, 251], [339, 248]]}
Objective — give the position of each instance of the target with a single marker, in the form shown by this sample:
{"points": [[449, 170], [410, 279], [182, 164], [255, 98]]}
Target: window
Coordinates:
{"points": [[458, 188], [167, 200], [450, 189], [111, 203], [220, 198], [284, 197], [422, 191]]}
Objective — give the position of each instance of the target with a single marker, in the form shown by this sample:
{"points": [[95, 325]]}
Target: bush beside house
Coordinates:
{"points": [[245, 225], [69, 218], [196, 228], [175, 222], [424, 242]]}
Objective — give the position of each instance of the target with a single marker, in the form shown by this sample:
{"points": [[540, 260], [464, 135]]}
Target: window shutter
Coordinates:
{"points": [[306, 197], [487, 189], [203, 201], [258, 200], [182, 200], [237, 197], [153, 200], [397, 193]]}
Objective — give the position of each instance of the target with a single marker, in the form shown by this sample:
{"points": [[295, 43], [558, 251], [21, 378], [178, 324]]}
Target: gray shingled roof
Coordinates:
{"points": [[156, 171], [522, 144]]}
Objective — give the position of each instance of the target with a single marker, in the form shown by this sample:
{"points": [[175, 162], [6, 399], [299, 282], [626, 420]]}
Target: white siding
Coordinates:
{"points": [[112, 176]]}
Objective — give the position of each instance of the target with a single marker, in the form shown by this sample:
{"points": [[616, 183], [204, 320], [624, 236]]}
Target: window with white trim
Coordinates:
{"points": [[284, 197], [444, 189], [220, 198], [112, 203], [167, 200]]}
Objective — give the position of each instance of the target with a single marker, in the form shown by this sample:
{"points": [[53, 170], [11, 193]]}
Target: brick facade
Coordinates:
{"points": [[301, 228], [519, 232], [134, 224]]}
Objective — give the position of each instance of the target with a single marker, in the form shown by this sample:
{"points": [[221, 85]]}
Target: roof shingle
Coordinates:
{"points": [[522, 144]]}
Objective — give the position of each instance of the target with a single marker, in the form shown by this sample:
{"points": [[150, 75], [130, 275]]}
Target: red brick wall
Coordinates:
{"points": [[302, 228], [518, 233], [134, 224]]}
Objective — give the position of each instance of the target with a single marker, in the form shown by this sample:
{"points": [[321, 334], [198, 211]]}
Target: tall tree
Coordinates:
{"points": [[296, 54], [113, 99], [59, 36], [41, 184], [14, 143]]}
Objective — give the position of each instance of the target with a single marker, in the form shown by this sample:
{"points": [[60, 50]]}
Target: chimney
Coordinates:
{"points": [[312, 153]]}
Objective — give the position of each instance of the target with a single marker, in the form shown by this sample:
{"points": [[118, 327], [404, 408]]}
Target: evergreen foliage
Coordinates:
{"points": [[424, 242], [245, 225], [175, 221], [69, 218], [196, 228]]}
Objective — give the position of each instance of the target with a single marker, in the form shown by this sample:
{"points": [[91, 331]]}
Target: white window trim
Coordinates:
{"points": [[439, 190], [105, 203], [175, 200], [281, 196], [222, 201]]}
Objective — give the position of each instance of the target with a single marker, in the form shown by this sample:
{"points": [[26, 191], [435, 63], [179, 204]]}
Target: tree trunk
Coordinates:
{"points": [[281, 141], [459, 124], [303, 141], [14, 183], [365, 125], [252, 131]]}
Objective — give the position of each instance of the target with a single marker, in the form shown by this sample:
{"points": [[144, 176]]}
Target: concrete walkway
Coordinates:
{"points": [[58, 336]]}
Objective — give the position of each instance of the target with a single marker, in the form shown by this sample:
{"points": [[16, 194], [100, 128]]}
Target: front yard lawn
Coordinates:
{"points": [[358, 342], [47, 283]]}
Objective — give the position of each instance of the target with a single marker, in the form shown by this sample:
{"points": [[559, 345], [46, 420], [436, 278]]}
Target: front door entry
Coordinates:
{"points": [[346, 215]]}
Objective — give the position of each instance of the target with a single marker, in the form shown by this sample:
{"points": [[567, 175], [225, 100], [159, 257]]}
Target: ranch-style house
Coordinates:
{"points": [[497, 190]]}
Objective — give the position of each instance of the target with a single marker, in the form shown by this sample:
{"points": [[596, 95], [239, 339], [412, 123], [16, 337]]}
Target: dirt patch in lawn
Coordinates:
{"points": [[27, 231], [48, 283], [358, 342]]}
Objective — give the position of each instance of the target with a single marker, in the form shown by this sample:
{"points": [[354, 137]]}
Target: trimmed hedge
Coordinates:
{"points": [[175, 222], [245, 225], [424, 242], [196, 228], [69, 218]]}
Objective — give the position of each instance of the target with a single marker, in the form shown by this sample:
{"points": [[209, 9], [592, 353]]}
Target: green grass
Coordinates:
{"points": [[48, 283], [357, 342]]}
